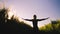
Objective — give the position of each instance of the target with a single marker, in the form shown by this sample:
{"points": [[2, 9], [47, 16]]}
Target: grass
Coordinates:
{"points": [[13, 25], [53, 26]]}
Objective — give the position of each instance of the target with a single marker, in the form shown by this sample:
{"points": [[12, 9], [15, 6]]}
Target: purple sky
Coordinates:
{"points": [[42, 8]]}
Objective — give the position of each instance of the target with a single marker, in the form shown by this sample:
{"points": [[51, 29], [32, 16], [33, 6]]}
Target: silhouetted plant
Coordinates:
{"points": [[12, 25]]}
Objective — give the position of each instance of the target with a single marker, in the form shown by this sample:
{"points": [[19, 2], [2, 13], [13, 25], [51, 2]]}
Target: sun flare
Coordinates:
{"points": [[11, 12]]}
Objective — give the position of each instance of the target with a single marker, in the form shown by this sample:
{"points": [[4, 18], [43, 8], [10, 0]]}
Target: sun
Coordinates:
{"points": [[11, 12]]}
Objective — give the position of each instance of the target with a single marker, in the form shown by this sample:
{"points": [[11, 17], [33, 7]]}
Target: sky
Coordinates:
{"points": [[42, 8]]}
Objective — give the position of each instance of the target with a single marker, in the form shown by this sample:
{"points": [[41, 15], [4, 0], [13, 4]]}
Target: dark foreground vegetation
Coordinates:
{"points": [[14, 26]]}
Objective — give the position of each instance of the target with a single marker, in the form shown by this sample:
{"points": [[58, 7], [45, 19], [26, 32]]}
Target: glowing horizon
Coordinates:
{"points": [[42, 8]]}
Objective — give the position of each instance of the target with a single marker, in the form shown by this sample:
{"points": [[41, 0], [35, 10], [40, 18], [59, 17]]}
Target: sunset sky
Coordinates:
{"points": [[42, 8]]}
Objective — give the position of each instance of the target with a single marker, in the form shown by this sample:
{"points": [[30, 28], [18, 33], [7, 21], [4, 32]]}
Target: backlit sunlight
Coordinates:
{"points": [[11, 12]]}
